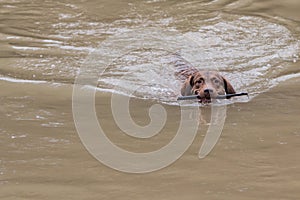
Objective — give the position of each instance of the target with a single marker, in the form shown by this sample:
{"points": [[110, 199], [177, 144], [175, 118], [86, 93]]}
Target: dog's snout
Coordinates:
{"points": [[208, 91]]}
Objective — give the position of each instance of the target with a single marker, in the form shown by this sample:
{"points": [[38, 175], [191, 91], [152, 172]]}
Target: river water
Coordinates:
{"points": [[128, 47]]}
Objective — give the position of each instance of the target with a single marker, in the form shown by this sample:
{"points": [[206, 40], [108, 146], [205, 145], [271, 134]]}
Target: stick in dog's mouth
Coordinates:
{"points": [[226, 96]]}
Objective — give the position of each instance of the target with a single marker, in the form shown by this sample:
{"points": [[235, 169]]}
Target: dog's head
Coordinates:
{"points": [[208, 85]]}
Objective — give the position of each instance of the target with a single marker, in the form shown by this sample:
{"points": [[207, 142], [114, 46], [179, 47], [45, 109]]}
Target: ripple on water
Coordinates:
{"points": [[250, 51]]}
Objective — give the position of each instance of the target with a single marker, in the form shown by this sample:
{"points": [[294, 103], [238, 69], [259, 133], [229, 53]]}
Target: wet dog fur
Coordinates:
{"points": [[207, 85]]}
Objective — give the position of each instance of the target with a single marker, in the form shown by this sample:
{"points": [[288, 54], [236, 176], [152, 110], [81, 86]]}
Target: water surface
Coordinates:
{"points": [[44, 44]]}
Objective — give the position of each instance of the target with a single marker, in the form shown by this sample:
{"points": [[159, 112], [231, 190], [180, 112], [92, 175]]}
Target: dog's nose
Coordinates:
{"points": [[208, 91]]}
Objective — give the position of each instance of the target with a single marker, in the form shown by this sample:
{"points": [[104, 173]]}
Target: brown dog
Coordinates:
{"points": [[206, 84]]}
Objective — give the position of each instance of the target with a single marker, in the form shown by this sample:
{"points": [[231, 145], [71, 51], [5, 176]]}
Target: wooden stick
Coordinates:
{"points": [[226, 96]]}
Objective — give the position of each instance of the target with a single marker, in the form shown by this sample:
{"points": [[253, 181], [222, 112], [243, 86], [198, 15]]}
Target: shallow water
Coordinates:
{"points": [[128, 47]]}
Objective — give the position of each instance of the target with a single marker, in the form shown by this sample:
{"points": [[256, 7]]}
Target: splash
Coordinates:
{"points": [[251, 52]]}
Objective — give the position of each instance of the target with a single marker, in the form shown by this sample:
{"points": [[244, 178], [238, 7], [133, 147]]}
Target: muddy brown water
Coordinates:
{"points": [[44, 44]]}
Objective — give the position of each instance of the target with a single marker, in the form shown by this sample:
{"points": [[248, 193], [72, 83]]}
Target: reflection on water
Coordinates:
{"points": [[43, 45]]}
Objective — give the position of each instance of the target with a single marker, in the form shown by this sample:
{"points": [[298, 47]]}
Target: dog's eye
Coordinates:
{"points": [[216, 81], [200, 81]]}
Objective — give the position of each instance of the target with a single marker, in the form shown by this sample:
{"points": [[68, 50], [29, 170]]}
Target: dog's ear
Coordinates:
{"points": [[228, 87], [192, 80]]}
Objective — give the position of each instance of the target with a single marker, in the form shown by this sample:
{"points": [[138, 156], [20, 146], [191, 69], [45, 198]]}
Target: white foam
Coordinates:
{"points": [[15, 80]]}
